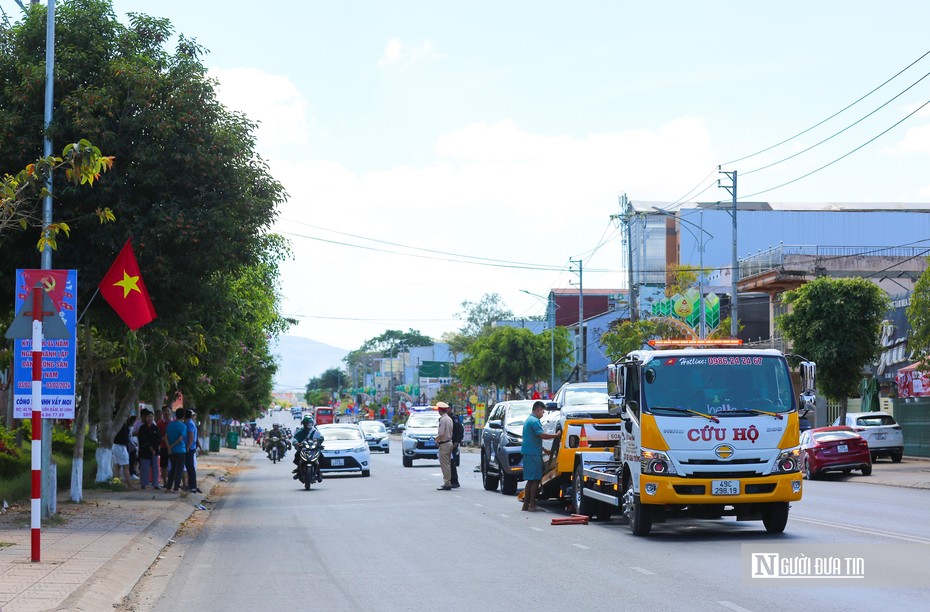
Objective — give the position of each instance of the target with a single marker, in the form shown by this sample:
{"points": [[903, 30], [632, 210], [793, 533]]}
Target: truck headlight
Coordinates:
{"points": [[656, 462], [788, 461]]}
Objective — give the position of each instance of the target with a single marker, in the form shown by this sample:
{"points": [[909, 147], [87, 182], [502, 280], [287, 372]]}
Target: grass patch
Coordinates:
{"points": [[18, 488]]}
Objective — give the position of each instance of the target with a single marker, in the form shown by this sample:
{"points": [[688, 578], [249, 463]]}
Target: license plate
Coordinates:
{"points": [[879, 436], [337, 462], [724, 487], [842, 448]]}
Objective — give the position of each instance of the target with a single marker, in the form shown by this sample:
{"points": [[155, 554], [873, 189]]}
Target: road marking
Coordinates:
{"points": [[362, 499], [732, 606], [582, 546], [866, 530], [504, 515], [643, 571], [536, 528], [480, 505]]}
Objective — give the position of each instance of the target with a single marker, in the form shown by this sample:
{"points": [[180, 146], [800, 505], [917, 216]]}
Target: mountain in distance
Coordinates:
{"points": [[300, 359]]}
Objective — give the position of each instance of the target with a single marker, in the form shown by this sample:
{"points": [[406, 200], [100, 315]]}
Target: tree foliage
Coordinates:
{"points": [[626, 336], [478, 317], [836, 323], [394, 341], [189, 188], [918, 315], [510, 358]]}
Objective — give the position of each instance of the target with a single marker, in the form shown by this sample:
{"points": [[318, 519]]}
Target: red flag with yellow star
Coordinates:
{"points": [[123, 289]]}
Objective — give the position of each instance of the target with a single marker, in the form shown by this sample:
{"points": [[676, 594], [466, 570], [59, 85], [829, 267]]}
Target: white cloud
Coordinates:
{"points": [[397, 53], [493, 190], [274, 101], [916, 140]]}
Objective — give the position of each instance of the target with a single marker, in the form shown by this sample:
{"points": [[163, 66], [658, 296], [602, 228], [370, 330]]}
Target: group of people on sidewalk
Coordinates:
{"points": [[167, 450]]}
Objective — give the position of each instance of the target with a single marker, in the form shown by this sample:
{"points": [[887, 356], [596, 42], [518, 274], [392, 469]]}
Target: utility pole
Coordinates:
{"points": [[734, 273], [582, 358], [49, 469], [626, 217]]}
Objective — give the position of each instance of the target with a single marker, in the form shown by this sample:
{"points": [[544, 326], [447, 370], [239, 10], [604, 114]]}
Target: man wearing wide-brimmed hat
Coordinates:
{"points": [[444, 441]]}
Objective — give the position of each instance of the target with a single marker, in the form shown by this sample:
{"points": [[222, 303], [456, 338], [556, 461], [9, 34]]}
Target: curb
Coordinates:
{"points": [[116, 578]]}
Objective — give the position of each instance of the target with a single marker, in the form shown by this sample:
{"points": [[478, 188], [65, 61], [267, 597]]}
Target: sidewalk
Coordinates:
{"points": [[93, 553]]}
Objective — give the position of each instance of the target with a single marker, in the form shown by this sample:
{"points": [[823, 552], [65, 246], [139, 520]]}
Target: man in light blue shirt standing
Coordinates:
{"points": [[532, 450]]}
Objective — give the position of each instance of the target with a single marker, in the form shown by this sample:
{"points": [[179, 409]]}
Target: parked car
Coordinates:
{"points": [[880, 430], [419, 436], [344, 449], [376, 435], [834, 449], [501, 440], [586, 400]]}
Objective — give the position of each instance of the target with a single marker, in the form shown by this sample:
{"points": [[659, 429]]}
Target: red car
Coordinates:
{"points": [[834, 449]]}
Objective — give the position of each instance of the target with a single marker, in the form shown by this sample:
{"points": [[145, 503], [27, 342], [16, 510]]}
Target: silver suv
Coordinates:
{"points": [[501, 441], [880, 430], [419, 439]]}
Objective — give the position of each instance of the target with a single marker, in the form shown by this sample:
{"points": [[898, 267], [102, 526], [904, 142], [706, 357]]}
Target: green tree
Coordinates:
{"points": [[478, 317], [918, 316], [394, 341], [836, 323], [626, 336], [510, 358], [189, 188]]}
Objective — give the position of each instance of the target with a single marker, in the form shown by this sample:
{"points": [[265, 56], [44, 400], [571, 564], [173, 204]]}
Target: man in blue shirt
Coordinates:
{"points": [[176, 439], [190, 457], [532, 456]]}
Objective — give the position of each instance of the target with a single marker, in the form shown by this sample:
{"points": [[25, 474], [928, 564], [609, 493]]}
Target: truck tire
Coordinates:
{"points": [[408, 462], [775, 516], [580, 503], [489, 481], [509, 484], [637, 514], [604, 511]]}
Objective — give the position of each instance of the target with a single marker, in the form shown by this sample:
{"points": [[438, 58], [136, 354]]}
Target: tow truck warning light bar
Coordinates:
{"points": [[684, 343]]}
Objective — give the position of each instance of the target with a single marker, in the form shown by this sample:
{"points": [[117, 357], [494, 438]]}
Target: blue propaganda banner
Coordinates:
{"points": [[58, 356]]}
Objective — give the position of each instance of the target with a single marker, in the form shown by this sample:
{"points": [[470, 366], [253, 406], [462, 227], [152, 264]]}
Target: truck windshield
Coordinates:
{"points": [[717, 385]]}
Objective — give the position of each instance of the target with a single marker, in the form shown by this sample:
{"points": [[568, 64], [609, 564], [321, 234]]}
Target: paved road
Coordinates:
{"points": [[393, 542]]}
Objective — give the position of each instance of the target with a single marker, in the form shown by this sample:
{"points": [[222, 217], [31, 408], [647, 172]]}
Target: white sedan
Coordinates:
{"points": [[376, 434], [344, 449]]}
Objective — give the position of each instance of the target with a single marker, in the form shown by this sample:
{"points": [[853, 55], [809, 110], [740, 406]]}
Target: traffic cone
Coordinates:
{"points": [[583, 441]]}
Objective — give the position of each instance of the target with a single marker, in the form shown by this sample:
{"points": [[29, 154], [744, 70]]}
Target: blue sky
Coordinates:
{"points": [[507, 131]]}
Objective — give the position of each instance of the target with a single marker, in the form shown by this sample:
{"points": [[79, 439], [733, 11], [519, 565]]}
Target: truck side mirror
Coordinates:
{"points": [[808, 378], [616, 405]]}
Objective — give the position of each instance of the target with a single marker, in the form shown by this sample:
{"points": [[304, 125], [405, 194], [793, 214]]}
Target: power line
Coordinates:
{"points": [[478, 261], [844, 156], [801, 133], [834, 135]]}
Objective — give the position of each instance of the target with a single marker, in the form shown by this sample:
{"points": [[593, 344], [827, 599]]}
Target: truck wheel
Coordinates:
{"points": [[408, 462], [775, 517], [508, 484], [604, 511], [638, 515], [489, 482], [580, 503]]}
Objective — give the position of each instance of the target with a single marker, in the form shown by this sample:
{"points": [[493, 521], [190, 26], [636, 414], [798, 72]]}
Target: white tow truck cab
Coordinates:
{"points": [[710, 429]]}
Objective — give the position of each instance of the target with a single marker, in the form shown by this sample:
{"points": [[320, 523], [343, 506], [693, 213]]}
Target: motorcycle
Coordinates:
{"points": [[276, 448], [308, 462]]}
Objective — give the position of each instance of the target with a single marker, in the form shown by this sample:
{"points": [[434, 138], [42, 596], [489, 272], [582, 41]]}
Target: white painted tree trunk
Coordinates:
{"points": [[77, 476], [104, 457]]}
